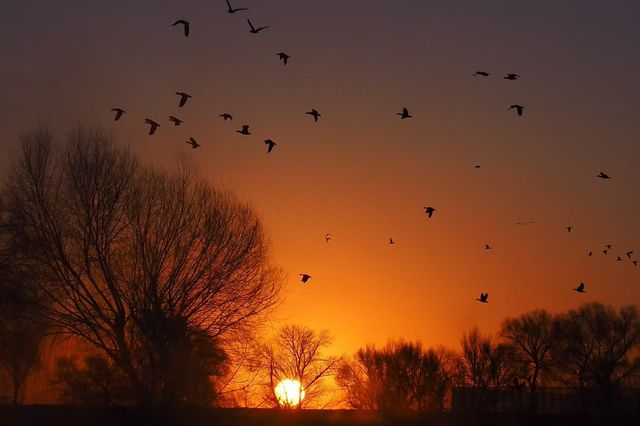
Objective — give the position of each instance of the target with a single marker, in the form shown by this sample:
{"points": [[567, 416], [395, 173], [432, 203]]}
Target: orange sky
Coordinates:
{"points": [[361, 174]]}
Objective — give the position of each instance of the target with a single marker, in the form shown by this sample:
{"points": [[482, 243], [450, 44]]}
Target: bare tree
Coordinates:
{"points": [[296, 353], [533, 336], [596, 349], [133, 259], [399, 376]]}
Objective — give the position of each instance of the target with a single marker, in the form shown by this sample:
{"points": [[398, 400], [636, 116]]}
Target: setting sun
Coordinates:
{"points": [[289, 392]]}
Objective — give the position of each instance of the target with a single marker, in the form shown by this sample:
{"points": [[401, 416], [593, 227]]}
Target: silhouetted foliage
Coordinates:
{"points": [[140, 262], [399, 376], [296, 353], [596, 349], [533, 337], [23, 328], [485, 364], [99, 382]]}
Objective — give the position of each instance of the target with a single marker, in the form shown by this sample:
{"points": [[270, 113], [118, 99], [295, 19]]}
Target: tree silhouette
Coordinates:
{"points": [[23, 328], [98, 382], [136, 260], [596, 349], [296, 353], [533, 337], [399, 376]]}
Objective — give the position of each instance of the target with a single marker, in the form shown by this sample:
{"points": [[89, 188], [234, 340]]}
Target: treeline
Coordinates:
{"points": [[591, 349]]}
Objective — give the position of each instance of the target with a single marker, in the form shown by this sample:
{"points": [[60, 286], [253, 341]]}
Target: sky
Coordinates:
{"points": [[361, 173]]}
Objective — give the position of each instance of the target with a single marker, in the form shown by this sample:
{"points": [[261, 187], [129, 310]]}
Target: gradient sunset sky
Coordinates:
{"points": [[361, 173]]}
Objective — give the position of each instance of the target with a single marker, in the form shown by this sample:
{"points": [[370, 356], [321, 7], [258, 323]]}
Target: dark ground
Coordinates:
{"points": [[124, 416]]}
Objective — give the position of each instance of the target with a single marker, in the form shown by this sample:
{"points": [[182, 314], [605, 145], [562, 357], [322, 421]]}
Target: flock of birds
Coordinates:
{"points": [[315, 114]]}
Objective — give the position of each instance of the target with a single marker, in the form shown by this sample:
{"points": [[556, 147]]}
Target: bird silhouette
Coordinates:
{"points": [[327, 237], [429, 211], [580, 288], [619, 259], [314, 113], [244, 130], [185, 25], [176, 121], [527, 223], [590, 253], [270, 144], [487, 247], [511, 76], [283, 56], [119, 112], [482, 73], [193, 143], [232, 10], [605, 252], [254, 30], [305, 277], [483, 298], [183, 98], [519, 109], [153, 125], [225, 116], [635, 262], [629, 253], [569, 228], [609, 246], [603, 175], [404, 114], [391, 241], [477, 167]]}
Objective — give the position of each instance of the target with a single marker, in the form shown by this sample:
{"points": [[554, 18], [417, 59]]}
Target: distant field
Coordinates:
{"points": [[124, 416]]}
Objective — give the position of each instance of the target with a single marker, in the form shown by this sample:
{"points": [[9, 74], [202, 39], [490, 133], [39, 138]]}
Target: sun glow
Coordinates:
{"points": [[289, 393]]}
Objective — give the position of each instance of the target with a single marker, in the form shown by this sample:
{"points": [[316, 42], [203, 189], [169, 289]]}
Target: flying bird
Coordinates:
{"points": [[283, 56], [193, 143], [244, 130], [487, 247], [635, 262], [605, 252], [176, 121], [327, 237], [527, 223], [185, 24], [429, 211], [483, 298], [232, 10], [477, 167], [590, 253], [580, 288], [254, 30], [391, 241], [519, 109], [619, 259], [569, 228], [153, 125], [225, 116], [404, 114], [511, 76], [119, 112], [183, 98], [314, 113], [609, 246], [603, 175], [482, 73], [629, 253], [305, 277], [270, 144]]}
